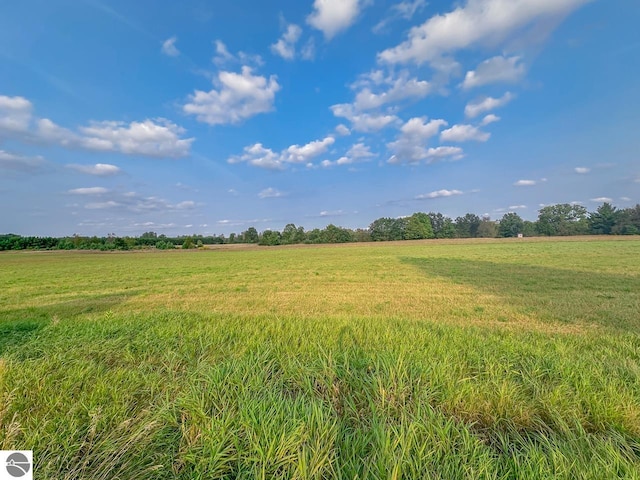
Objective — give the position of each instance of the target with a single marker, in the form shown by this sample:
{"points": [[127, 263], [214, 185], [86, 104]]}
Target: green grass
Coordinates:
{"points": [[461, 359]]}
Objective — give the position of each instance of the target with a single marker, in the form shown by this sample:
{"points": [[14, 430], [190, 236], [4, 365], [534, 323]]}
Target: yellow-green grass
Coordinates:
{"points": [[454, 359]]}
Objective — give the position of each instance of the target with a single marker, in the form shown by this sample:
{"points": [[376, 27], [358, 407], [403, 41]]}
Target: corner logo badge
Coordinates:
{"points": [[16, 464]]}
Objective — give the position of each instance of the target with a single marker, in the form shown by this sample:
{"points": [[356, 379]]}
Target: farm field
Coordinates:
{"points": [[493, 359]]}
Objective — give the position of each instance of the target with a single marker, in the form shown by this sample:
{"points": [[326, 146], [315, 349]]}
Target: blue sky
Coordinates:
{"points": [[209, 117]]}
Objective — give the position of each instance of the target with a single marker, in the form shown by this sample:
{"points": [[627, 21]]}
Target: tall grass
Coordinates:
{"points": [[490, 360]]}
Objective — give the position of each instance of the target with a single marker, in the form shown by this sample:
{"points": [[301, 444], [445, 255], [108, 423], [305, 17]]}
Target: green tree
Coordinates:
{"points": [[602, 221], [418, 227], [270, 238], [188, 243], [510, 225], [289, 234], [487, 229], [562, 219], [443, 227], [627, 221], [251, 235], [467, 226]]}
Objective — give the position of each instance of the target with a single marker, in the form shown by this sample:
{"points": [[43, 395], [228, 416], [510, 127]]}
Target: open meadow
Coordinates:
{"points": [[492, 359]]}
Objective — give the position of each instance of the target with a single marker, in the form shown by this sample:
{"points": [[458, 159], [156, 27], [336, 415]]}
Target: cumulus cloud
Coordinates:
{"points": [[15, 114], [525, 183], [153, 138], [602, 200], [169, 47], [343, 130], [304, 153], [238, 96], [334, 16], [20, 163], [99, 169], [411, 144], [364, 122], [260, 156], [473, 109], [271, 193], [582, 170], [478, 23], [397, 89], [489, 119], [464, 133], [438, 194], [495, 70], [517, 207], [358, 152], [285, 47]]}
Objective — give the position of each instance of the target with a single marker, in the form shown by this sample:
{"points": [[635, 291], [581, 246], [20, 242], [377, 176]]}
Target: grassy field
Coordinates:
{"points": [[515, 359]]}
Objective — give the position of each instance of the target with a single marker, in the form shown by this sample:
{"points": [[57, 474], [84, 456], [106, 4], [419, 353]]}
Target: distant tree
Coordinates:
{"points": [[627, 221], [333, 234], [467, 226], [418, 227], [529, 229], [602, 221], [487, 229], [562, 219], [270, 238], [188, 243], [443, 227], [232, 238], [199, 244], [510, 225], [289, 234], [251, 235]]}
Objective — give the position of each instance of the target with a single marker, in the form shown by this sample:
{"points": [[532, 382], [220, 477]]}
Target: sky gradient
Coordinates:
{"points": [[210, 117]]}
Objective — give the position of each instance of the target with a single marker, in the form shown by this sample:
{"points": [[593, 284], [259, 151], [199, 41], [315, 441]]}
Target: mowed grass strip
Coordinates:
{"points": [[419, 360]]}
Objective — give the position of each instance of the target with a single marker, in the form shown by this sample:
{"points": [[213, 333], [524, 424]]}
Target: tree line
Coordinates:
{"points": [[553, 220]]}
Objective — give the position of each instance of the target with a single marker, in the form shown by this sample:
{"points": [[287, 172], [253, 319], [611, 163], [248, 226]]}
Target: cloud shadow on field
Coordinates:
{"points": [[17, 326], [548, 294]]}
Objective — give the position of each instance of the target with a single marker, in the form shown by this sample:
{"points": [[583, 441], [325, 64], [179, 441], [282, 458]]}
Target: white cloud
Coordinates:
{"points": [[271, 193], [20, 163], [438, 194], [334, 16], [400, 88], [464, 133], [169, 47], [495, 70], [154, 138], [363, 122], [223, 56], [582, 170], [517, 207], [491, 118], [473, 109], [99, 169], [89, 191], [239, 96], [358, 152], [343, 130], [525, 183], [411, 144], [15, 114], [402, 10], [286, 45], [302, 154], [478, 23], [259, 156], [625, 199], [159, 138], [602, 200]]}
